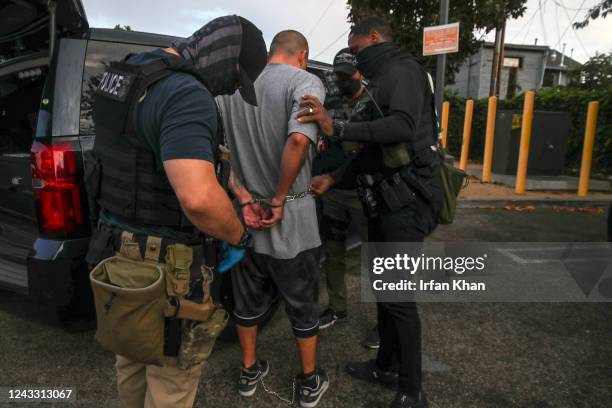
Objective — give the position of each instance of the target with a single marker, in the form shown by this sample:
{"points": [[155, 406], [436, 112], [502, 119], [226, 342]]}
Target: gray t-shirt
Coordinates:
{"points": [[256, 136]]}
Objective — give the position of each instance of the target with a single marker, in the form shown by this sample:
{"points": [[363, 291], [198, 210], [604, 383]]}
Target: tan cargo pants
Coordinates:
{"points": [[149, 386]]}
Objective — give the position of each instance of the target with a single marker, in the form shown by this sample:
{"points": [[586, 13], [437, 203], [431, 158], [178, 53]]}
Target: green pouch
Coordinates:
{"points": [[179, 258], [198, 339], [129, 298], [453, 180], [395, 155]]}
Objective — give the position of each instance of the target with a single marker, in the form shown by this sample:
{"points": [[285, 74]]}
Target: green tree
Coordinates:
{"points": [[601, 9], [124, 28], [596, 73], [409, 17]]}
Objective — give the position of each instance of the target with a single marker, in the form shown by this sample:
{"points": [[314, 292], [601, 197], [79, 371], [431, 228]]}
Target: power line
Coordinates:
{"points": [[332, 43], [531, 24], [542, 8], [526, 24], [320, 18], [557, 21], [571, 21], [575, 33], [563, 6]]}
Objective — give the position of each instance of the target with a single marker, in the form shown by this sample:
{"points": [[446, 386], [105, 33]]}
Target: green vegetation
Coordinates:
{"points": [[561, 99]]}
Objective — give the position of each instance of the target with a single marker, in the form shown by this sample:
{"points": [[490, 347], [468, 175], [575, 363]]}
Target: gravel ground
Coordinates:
{"points": [[476, 355]]}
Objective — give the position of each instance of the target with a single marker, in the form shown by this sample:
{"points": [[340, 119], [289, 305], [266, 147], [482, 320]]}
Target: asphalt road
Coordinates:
{"points": [[476, 355]]}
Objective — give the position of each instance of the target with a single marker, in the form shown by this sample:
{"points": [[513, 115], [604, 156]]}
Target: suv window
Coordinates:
{"points": [[98, 57]]}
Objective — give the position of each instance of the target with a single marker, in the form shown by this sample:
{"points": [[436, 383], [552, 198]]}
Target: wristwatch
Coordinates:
{"points": [[338, 126], [245, 239]]}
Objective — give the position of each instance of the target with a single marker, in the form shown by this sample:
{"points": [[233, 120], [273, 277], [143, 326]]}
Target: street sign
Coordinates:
{"points": [[442, 39]]}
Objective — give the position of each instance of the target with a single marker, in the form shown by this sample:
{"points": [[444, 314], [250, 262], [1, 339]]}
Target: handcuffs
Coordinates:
{"points": [[268, 201]]}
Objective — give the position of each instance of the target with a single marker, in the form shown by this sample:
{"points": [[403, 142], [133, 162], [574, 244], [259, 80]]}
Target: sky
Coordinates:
{"points": [[324, 22]]}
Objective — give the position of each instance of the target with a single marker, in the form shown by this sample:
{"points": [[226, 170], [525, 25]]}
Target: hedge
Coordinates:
{"points": [[560, 99]]}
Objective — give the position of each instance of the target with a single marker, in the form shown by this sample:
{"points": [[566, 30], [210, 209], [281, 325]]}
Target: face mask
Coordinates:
{"points": [[349, 86], [371, 58]]}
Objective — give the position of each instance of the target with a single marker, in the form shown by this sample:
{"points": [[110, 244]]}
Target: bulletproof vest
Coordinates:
{"points": [[133, 186]]}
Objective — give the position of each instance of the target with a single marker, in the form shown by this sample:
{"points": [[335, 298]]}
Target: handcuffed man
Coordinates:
{"points": [[271, 154]]}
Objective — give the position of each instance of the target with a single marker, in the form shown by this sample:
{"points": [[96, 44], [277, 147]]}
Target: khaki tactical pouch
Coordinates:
{"points": [[129, 298], [179, 258]]}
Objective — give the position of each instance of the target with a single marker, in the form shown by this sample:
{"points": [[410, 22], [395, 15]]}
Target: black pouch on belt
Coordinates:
{"points": [[172, 337], [100, 247], [389, 196], [405, 193]]}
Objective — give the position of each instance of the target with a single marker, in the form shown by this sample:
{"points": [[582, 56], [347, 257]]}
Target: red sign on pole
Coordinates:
{"points": [[443, 39]]}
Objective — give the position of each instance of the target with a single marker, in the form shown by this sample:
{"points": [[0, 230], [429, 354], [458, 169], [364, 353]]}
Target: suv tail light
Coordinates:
{"points": [[56, 192]]}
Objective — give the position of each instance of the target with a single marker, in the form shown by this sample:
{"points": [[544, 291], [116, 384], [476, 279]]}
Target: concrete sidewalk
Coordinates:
{"points": [[478, 194]]}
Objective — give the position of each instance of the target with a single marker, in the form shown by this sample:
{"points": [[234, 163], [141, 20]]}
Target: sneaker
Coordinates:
{"points": [[404, 400], [329, 318], [372, 341], [311, 389], [247, 383], [367, 371]]}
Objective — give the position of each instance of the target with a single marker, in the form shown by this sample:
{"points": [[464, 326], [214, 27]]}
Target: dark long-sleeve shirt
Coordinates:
{"points": [[403, 95]]}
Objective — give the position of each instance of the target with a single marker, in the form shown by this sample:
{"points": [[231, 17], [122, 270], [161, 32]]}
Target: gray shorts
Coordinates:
{"points": [[259, 279]]}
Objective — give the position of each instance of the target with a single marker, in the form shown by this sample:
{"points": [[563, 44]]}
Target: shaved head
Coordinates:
{"points": [[288, 42]]}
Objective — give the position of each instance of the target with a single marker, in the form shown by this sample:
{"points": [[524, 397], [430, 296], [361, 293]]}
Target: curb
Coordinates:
{"points": [[467, 203]]}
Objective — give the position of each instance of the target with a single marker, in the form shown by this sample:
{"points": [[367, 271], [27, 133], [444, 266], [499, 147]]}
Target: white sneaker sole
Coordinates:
{"points": [[250, 393], [330, 324], [316, 402]]}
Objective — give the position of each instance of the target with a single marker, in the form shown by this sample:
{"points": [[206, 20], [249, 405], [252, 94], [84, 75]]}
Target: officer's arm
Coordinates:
{"points": [[203, 200], [406, 100]]}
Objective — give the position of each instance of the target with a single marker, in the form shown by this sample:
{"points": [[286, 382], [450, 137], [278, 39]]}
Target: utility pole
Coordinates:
{"points": [[498, 56], [441, 62]]}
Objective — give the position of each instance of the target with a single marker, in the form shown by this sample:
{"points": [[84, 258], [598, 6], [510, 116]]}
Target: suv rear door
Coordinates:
{"points": [[24, 64]]}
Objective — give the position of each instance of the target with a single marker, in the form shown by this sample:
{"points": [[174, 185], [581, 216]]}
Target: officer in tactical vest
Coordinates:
{"points": [[398, 172], [155, 180], [346, 99]]}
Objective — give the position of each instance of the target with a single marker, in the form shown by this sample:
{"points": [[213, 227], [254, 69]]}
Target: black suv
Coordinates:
{"points": [[46, 82]]}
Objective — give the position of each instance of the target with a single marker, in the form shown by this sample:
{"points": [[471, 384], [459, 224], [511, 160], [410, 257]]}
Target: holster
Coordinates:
{"points": [[382, 195]]}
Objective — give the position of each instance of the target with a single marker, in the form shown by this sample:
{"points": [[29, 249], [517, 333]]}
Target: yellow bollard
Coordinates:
{"points": [[444, 124], [467, 134], [521, 171], [587, 149], [489, 140]]}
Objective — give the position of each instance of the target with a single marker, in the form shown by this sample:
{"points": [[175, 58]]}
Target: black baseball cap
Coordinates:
{"points": [[345, 62], [252, 59]]}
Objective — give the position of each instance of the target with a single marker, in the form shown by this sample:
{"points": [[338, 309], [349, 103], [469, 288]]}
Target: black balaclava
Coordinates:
{"points": [[215, 51], [372, 58]]}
